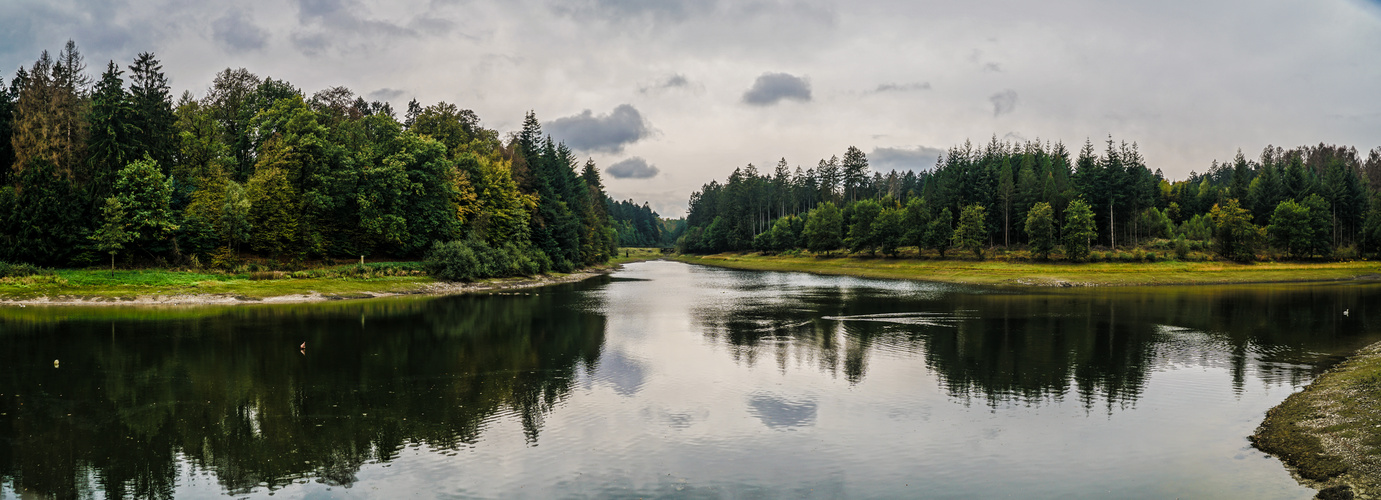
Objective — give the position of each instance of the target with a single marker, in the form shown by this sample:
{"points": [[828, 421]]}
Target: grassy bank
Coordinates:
{"points": [[1328, 432], [341, 281], [327, 282], [1050, 274]]}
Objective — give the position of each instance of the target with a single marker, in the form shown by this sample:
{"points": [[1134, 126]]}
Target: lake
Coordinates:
{"points": [[673, 380]]}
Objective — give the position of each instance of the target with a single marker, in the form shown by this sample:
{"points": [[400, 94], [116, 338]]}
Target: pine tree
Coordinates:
{"points": [[113, 134], [855, 171], [112, 235], [1079, 230], [1040, 228], [972, 231], [153, 110]]}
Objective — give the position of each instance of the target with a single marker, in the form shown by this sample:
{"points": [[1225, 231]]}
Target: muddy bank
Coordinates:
{"points": [[429, 289], [1329, 434]]}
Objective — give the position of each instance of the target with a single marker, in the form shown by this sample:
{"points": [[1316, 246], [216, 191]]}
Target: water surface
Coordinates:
{"points": [[672, 380]]}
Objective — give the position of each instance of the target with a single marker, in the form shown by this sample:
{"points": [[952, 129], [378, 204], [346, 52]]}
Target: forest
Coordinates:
{"points": [[1039, 200], [117, 171]]}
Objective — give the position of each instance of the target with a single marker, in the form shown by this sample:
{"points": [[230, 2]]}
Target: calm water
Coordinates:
{"points": [[670, 380]]}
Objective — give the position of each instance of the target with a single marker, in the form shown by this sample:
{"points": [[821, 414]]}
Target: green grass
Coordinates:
{"points": [[94, 283], [993, 272], [626, 255]]}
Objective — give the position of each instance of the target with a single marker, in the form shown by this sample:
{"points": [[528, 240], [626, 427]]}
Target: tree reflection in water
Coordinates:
{"points": [[140, 392], [228, 389], [1026, 347]]}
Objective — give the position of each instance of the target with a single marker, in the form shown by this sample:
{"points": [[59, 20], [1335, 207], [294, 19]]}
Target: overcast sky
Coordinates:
{"points": [[666, 95]]}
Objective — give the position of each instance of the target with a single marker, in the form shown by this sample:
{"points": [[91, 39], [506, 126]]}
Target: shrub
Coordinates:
{"points": [[472, 259], [452, 261], [1181, 248], [20, 270]]}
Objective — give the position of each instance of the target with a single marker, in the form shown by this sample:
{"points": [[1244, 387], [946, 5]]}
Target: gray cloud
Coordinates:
{"points": [[771, 88], [675, 81], [344, 25], [901, 87], [660, 10], [386, 94], [238, 33], [632, 168], [604, 133], [1004, 102], [918, 158], [993, 67]]}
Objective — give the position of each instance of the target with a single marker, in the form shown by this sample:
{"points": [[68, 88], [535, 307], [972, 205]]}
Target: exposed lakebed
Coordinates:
{"points": [[667, 379]]}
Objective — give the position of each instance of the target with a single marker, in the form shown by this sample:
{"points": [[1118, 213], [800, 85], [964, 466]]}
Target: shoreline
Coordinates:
{"points": [[1057, 274], [431, 289], [1326, 433]]}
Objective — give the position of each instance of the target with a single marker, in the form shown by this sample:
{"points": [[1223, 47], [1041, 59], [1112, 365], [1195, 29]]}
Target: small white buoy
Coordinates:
{"points": [[55, 363], [1345, 311]]}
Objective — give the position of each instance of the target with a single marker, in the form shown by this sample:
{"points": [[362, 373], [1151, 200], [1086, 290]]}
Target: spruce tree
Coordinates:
{"points": [[113, 133], [153, 110]]}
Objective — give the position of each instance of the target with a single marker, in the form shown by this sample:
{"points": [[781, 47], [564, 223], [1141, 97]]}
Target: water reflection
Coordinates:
{"points": [[760, 384], [229, 391], [1025, 346]]}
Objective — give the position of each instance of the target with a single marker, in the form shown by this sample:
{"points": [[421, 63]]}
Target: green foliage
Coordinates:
{"points": [[473, 259], [111, 236], [860, 236], [1078, 230], [972, 234], [20, 270], [886, 232], [1371, 230], [783, 235], [1236, 236], [145, 196], [273, 212], [1289, 229], [939, 233], [1040, 228], [44, 221], [824, 228], [1320, 242]]}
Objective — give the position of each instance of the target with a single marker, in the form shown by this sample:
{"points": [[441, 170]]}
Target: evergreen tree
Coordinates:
{"points": [[111, 236], [1040, 228], [854, 171], [1079, 230], [824, 227], [1290, 230], [1319, 239], [971, 234], [153, 110], [940, 232], [113, 133]]}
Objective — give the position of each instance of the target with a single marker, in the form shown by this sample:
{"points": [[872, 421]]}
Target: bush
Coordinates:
{"points": [[452, 261], [473, 259], [20, 270]]}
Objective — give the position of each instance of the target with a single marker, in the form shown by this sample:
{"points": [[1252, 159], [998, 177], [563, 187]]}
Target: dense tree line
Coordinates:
{"points": [[1302, 202], [640, 226], [116, 169]]}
